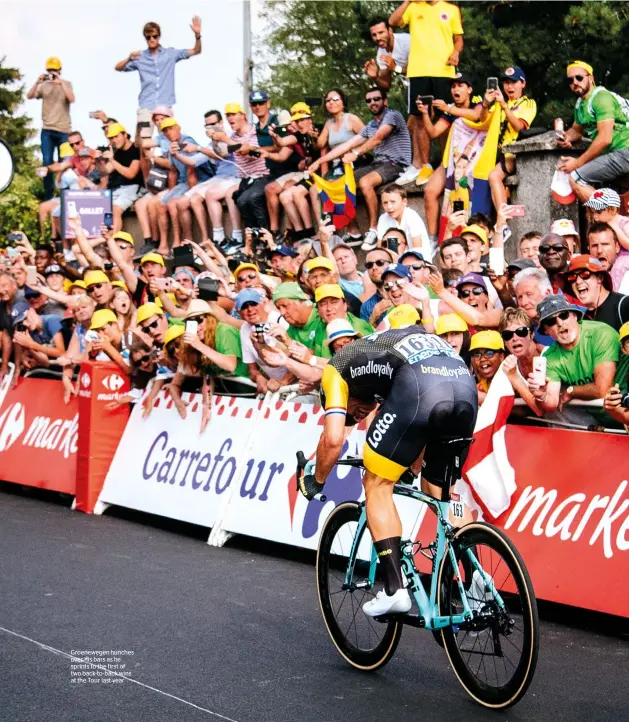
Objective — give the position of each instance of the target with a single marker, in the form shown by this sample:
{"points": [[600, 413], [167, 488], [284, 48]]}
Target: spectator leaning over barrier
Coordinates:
{"points": [[38, 337], [347, 264], [109, 344], [566, 228], [98, 287], [453, 329], [56, 95], [528, 246], [397, 214], [298, 312], [40, 303], [603, 244], [581, 364], [400, 291], [613, 402], [487, 352], [9, 309], [387, 136], [554, 258], [77, 350], [376, 262], [436, 44], [516, 329], [156, 66], [392, 54], [124, 173], [592, 286], [153, 321], [599, 116]]}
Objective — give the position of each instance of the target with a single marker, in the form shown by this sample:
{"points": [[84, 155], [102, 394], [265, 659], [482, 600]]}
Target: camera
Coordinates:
{"points": [[21, 327], [15, 237], [255, 234], [261, 328], [108, 266], [624, 402], [254, 153]]}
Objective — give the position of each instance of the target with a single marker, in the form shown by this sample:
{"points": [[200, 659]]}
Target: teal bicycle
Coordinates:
{"points": [[478, 601]]}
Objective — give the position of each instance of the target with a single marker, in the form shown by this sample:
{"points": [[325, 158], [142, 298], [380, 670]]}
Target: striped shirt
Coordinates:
{"points": [[396, 147], [248, 165]]}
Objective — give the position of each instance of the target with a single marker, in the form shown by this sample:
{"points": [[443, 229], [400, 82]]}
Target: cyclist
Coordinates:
{"points": [[426, 394]]}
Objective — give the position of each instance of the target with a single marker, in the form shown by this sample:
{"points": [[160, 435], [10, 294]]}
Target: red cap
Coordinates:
{"points": [[583, 261]]}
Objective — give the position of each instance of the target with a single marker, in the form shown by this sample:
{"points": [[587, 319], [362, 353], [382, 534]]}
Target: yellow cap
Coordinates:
{"points": [[232, 108], [173, 332], [78, 284], [148, 310], [487, 339], [581, 64], [450, 323], [53, 63], [477, 231], [319, 262], [328, 290], [120, 284], [299, 111], [115, 129], [123, 236], [101, 318], [244, 267], [624, 331], [65, 150], [167, 123], [92, 277], [403, 316], [153, 258]]}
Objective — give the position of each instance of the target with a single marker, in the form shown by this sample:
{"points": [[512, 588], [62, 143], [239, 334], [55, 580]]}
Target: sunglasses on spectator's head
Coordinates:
{"points": [[556, 247], [584, 274], [399, 283], [563, 315], [521, 331], [246, 277], [94, 287], [486, 352], [370, 264], [333, 99], [373, 100], [477, 291], [150, 326], [571, 78]]}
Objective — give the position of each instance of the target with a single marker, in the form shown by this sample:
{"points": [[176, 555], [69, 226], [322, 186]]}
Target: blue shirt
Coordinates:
{"points": [[51, 325], [369, 305], [204, 168], [157, 76], [353, 287]]}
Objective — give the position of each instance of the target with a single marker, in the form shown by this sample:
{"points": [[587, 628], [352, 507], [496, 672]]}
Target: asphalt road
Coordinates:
{"points": [[234, 634]]}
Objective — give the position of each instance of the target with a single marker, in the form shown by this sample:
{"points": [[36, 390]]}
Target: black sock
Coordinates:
{"points": [[389, 556], [308, 232]]}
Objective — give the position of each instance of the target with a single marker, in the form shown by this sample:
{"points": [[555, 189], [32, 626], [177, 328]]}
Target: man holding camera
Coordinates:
{"points": [[56, 95]]}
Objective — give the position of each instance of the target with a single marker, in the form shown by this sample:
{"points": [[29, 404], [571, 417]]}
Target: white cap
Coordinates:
{"points": [[338, 328]]}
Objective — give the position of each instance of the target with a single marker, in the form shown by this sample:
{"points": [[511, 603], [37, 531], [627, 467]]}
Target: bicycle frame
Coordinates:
{"points": [[428, 606]]}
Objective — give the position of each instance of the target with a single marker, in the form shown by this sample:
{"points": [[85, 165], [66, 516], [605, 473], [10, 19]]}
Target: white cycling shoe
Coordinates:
{"points": [[397, 603]]}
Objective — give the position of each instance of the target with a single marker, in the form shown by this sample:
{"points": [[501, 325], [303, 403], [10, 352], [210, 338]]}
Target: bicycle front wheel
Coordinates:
{"points": [[495, 655], [362, 641]]}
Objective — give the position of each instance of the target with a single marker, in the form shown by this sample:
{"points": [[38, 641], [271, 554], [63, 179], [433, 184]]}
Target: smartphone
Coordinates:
{"points": [[426, 99], [255, 153], [91, 336], [458, 206], [497, 260], [94, 114], [326, 219], [539, 370], [392, 243], [183, 256], [58, 246], [72, 210], [492, 83], [164, 284], [516, 211], [108, 220], [192, 326], [12, 252], [31, 276], [158, 153], [14, 237], [208, 289], [234, 147]]}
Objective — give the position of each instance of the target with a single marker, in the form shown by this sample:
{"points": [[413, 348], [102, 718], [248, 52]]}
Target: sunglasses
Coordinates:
{"points": [[151, 37], [478, 291], [584, 274], [552, 321], [94, 287], [521, 331], [556, 247], [390, 285], [249, 304], [373, 100], [76, 142], [486, 352], [246, 277], [257, 103], [143, 359], [379, 263], [416, 266], [571, 79], [173, 347], [150, 326], [334, 99]]}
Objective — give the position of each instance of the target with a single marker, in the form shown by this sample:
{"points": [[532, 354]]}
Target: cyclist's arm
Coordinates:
{"points": [[331, 442]]}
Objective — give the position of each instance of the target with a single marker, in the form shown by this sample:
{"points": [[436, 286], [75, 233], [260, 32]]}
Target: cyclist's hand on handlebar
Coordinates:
{"points": [[309, 486]]}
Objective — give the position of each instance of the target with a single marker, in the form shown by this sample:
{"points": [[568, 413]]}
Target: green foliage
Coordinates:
{"points": [[309, 47], [19, 209]]}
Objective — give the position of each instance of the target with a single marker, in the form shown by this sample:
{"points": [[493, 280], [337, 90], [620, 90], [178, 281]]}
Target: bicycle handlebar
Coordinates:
{"points": [[301, 465]]}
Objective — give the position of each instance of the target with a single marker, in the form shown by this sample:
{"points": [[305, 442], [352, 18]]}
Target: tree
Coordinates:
{"points": [[310, 47]]}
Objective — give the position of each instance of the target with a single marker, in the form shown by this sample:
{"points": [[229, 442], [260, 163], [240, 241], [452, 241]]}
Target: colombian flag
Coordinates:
{"points": [[338, 197]]}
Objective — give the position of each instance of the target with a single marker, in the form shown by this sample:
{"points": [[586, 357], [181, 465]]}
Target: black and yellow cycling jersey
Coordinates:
{"points": [[425, 390]]}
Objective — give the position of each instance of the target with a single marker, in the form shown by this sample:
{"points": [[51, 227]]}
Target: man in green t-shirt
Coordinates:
{"points": [[581, 364], [599, 116], [298, 312], [331, 304]]}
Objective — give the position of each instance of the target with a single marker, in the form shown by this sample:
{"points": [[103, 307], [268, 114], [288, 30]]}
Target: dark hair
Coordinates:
{"points": [[75, 132], [217, 113], [46, 247], [341, 95], [111, 120], [399, 231], [392, 188], [600, 227], [480, 219], [377, 19], [456, 241], [383, 250], [376, 89], [151, 26], [451, 274], [530, 236]]}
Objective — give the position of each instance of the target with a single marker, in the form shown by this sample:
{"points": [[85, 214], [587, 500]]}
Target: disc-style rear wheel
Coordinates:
{"points": [[365, 643], [495, 655]]}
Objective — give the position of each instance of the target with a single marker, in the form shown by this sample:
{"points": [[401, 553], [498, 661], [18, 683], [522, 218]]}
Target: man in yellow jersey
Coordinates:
{"points": [[426, 395], [436, 44]]}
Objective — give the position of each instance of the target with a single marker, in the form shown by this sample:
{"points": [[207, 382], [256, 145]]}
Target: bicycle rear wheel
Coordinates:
{"points": [[362, 641], [495, 655]]}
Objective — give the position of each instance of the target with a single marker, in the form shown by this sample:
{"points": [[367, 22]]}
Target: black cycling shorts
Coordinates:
{"points": [[430, 401]]}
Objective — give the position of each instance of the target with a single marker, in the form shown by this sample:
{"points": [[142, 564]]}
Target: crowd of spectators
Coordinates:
{"points": [[266, 306]]}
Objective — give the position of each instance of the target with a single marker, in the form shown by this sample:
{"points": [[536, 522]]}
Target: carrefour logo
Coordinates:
{"points": [[43, 432], [12, 424], [86, 380], [113, 382]]}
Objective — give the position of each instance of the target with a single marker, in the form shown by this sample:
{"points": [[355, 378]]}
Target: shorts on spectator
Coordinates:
{"points": [[175, 192], [503, 163], [438, 87], [604, 169], [287, 177], [57, 210], [219, 183], [387, 170], [125, 196], [145, 115]]}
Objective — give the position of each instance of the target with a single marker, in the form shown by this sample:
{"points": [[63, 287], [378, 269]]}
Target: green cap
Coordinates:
{"points": [[289, 291]]}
